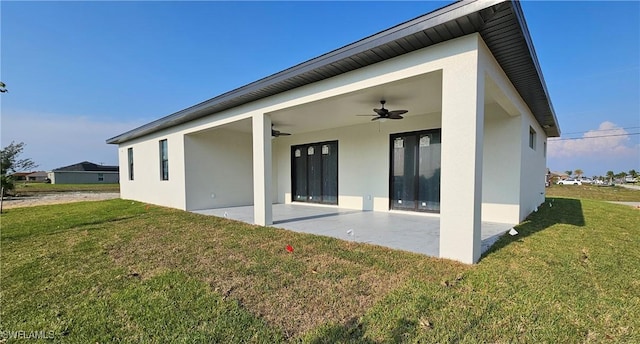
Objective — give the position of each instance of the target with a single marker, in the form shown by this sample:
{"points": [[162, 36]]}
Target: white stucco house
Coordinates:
{"points": [[471, 148]]}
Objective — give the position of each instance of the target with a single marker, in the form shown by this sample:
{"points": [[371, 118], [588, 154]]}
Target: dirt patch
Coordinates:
{"points": [[57, 198]]}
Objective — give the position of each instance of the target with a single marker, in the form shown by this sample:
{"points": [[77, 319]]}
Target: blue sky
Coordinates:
{"points": [[81, 72]]}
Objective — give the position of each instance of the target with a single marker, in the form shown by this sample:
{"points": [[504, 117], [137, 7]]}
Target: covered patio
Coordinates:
{"points": [[411, 232], [468, 172], [470, 145]]}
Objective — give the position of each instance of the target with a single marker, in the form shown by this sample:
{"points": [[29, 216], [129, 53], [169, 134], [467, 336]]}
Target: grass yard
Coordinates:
{"points": [[604, 193], [34, 188], [125, 271]]}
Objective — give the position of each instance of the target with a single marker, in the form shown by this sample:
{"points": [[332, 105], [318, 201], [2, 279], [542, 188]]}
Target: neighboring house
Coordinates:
{"points": [[555, 175], [85, 173], [471, 148], [39, 176], [20, 176]]}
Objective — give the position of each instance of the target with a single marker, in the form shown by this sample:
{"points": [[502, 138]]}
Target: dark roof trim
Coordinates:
{"points": [[500, 23], [87, 166]]}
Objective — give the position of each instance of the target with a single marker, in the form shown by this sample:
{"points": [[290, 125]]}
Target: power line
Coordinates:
{"points": [[582, 132], [551, 139]]}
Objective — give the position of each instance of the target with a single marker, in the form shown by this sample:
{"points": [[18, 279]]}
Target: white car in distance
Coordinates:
{"points": [[569, 181]]}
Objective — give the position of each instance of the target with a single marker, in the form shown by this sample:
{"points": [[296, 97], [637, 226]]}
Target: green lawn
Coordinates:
{"points": [[595, 192], [125, 271], [34, 188]]}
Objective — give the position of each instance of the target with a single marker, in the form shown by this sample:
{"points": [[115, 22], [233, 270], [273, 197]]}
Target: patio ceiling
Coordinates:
{"points": [[421, 95]]}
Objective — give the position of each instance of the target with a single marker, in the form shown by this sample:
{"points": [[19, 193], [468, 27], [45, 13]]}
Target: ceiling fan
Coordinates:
{"points": [[386, 114], [277, 133]]}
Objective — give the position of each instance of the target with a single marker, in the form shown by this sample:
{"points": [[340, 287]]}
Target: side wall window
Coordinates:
{"points": [[130, 158], [532, 138], [164, 160]]}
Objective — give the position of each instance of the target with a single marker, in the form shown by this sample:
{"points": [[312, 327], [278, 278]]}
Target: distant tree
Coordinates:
{"points": [[9, 164], [578, 173], [569, 173], [610, 175], [3, 87], [633, 173], [621, 175]]}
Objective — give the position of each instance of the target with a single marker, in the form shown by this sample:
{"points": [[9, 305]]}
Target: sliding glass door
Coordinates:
{"points": [[314, 172], [415, 171]]}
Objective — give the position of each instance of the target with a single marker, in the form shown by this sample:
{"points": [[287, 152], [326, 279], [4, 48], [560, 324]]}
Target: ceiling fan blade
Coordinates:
{"points": [[395, 117], [278, 133], [377, 118], [397, 112], [381, 112], [367, 115]]}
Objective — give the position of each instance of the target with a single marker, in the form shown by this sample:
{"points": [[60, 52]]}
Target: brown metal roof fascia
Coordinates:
{"points": [[326, 66]]}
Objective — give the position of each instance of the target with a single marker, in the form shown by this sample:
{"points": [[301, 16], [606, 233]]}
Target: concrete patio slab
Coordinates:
{"points": [[417, 233]]}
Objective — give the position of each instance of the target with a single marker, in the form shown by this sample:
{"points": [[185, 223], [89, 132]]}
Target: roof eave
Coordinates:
{"points": [[263, 88], [551, 129]]}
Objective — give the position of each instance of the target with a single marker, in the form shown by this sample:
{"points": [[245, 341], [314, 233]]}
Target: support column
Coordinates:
{"points": [[262, 204], [462, 143]]}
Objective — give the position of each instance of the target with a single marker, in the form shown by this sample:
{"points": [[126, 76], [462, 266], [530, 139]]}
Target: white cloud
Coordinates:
{"points": [[58, 140], [608, 139]]}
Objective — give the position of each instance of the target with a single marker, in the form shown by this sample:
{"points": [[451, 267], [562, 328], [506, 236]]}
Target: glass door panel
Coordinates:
{"points": [[299, 174], [415, 171], [429, 172], [404, 172], [330, 173], [314, 169]]}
